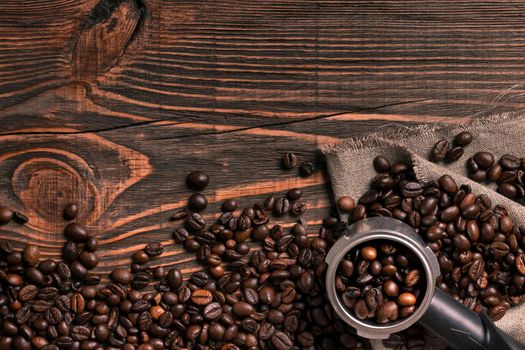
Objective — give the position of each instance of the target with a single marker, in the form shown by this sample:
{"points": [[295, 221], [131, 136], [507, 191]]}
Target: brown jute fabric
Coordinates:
{"points": [[350, 167]]}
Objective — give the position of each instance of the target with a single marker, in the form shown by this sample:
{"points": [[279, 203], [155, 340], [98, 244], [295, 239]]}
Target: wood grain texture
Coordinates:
{"points": [[112, 102]]}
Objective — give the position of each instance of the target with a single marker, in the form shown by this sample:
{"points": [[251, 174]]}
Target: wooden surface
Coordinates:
{"points": [[110, 103]]}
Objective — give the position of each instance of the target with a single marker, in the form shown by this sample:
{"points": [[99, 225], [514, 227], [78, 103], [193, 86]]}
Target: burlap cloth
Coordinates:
{"points": [[350, 167]]}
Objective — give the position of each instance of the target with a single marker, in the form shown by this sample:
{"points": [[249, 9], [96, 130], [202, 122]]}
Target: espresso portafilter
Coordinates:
{"points": [[439, 313]]}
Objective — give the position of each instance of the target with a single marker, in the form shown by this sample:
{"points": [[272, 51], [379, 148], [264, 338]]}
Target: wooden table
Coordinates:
{"points": [[111, 103]]}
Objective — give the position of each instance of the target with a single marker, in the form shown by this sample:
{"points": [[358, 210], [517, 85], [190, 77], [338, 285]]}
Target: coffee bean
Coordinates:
{"points": [[197, 202], [281, 341], [70, 211], [180, 234], [6, 215], [454, 154], [174, 278], [306, 169], [281, 207], [195, 222], [154, 249], [509, 162], [27, 293], [464, 138], [484, 159], [31, 254], [381, 164], [411, 189], [508, 190], [494, 173], [197, 180], [76, 232], [391, 288], [298, 208], [201, 297], [80, 333], [120, 275], [440, 150], [229, 205], [369, 253], [289, 160], [140, 257], [448, 184], [346, 204], [88, 259], [406, 299], [294, 194]]}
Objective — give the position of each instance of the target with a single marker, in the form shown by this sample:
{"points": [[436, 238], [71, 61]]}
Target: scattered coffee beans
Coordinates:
{"points": [[443, 150]]}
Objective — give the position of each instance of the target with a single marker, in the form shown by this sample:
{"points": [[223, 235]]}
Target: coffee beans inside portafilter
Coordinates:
{"points": [[380, 281]]}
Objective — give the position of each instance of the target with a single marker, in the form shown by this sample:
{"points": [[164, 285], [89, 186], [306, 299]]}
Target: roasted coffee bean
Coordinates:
{"points": [[484, 159], [448, 184], [154, 249], [346, 204], [440, 150], [197, 202], [281, 207], [31, 254], [180, 234], [306, 169], [464, 138], [120, 275], [197, 180], [71, 211], [509, 162], [212, 311], [195, 222], [289, 160], [294, 194], [6, 215], [281, 341], [174, 278], [411, 189], [381, 164], [27, 293], [454, 154], [298, 208], [76, 232], [229, 205]]}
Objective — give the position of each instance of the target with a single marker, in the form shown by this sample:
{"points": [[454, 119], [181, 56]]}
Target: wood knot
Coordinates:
{"points": [[51, 171], [105, 36]]}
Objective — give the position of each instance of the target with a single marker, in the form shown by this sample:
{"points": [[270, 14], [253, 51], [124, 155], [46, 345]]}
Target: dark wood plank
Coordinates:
{"points": [[112, 102]]}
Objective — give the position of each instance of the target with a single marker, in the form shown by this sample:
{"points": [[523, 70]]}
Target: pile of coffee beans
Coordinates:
{"points": [[443, 150], [265, 295], [478, 246], [380, 281], [508, 172]]}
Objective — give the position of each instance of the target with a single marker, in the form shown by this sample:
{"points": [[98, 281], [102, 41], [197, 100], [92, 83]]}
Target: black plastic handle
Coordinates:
{"points": [[464, 329]]}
